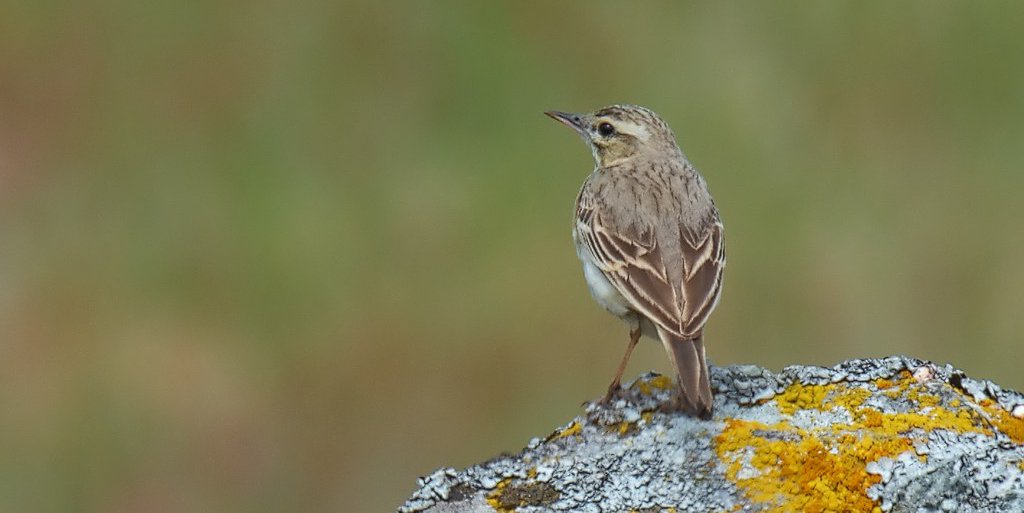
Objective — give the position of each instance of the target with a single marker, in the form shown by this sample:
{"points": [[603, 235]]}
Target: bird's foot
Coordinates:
{"points": [[679, 404], [614, 392]]}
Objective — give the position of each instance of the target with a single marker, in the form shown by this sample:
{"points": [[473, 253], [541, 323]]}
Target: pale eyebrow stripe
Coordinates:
{"points": [[629, 127]]}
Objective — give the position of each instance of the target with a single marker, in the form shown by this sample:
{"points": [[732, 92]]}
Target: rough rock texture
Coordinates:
{"points": [[895, 434]]}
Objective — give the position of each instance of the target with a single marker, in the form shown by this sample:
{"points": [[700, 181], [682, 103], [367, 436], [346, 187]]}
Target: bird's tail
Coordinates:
{"points": [[691, 371]]}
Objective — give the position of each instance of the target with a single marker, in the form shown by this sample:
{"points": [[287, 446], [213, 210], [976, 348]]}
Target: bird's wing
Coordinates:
{"points": [[634, 262]]}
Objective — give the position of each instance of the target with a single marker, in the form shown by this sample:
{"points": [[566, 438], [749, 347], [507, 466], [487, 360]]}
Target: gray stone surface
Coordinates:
{"points": [[894, 434]]}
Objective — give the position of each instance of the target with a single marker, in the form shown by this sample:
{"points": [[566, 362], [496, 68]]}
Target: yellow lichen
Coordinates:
{"points": [[494, 498], [573, 429], [1005, 422], [798, 397], [625, 427], [799, 471], [823, 469], [646, 386], [509, 494]]}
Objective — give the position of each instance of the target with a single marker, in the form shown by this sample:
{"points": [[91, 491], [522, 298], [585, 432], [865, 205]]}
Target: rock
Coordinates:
{"points": [[894, 434]]}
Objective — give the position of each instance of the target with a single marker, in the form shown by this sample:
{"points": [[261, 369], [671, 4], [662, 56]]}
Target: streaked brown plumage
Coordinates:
{"points": [[650, 239]]}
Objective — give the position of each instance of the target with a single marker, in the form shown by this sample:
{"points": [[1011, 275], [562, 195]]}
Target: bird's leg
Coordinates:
{"points": [[634, 337]]}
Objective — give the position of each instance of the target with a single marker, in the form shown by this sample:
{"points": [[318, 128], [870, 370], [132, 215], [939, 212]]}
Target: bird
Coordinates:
{"points": [[651, 241]]}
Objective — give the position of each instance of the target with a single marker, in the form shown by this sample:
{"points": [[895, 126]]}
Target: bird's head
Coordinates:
{"points": [[619, 133]]}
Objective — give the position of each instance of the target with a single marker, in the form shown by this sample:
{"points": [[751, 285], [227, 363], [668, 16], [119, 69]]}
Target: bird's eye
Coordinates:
{"points": [[605, 129]]}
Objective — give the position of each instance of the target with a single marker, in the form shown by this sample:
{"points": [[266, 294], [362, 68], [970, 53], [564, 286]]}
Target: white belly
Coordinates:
{"points": [[609, 297], [603, 290]]}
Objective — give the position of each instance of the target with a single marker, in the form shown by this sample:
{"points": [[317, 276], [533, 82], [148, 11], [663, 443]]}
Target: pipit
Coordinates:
{"points": [[650, 239]]}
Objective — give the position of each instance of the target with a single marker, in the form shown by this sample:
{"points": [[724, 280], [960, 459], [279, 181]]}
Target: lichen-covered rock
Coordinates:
{"points": [[895, 434]]}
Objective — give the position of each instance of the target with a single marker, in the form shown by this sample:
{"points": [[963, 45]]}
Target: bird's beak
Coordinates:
{"points": [[574, 121]]}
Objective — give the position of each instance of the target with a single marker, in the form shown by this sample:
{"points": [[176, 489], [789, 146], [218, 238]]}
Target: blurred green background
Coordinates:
{"points": [[289, 256]]}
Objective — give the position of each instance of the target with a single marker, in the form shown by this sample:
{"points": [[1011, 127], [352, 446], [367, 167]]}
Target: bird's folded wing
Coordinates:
{"points": [[636, 265]]}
